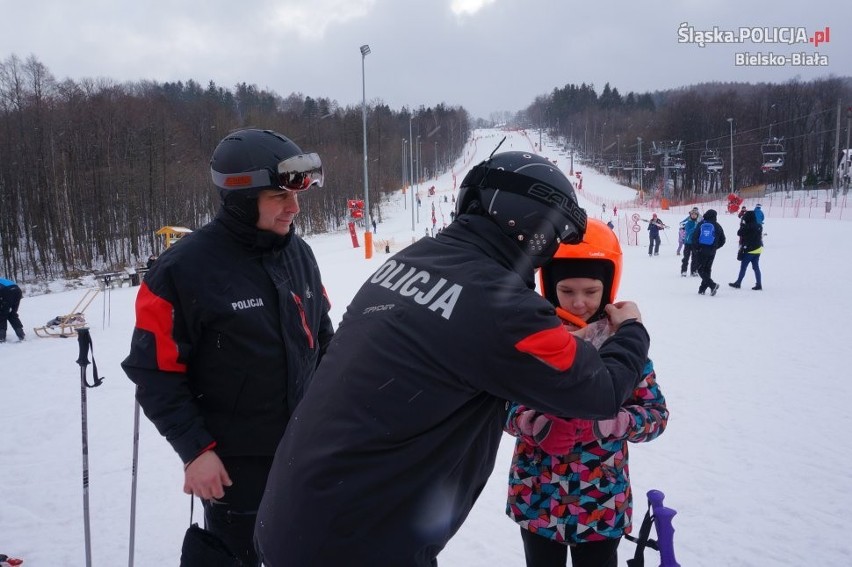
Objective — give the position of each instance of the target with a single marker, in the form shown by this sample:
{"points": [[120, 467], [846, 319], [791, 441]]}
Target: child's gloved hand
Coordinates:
{"points": [[554, 435]]}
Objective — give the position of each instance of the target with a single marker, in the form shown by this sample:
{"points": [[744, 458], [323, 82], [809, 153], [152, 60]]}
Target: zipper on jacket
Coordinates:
{"points": [[305, 327]]}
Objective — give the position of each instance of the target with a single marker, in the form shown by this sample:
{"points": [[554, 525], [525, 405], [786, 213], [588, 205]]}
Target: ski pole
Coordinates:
{"points": [[85, 343], [663, 517], [133, 483]]}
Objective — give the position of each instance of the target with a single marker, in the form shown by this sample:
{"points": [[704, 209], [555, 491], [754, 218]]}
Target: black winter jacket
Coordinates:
{"points": [[750, 232], [398, 434], [230, 325]]}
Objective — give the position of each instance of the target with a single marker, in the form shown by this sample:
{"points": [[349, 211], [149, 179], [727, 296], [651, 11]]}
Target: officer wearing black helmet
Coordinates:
{"points": [[230, 325], [397, 436]]}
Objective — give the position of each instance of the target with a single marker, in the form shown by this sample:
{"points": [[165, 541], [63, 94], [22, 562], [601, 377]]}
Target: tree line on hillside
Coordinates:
{"points": [[90, 169], [604, 131]]}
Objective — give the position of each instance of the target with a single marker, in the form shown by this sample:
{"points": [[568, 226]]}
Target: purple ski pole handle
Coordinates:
{"points": [[665, 536], [665, 530], [656, 497]]}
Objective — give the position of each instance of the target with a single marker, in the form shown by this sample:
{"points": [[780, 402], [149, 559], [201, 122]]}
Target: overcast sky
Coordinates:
{"points": [[485, 55]]}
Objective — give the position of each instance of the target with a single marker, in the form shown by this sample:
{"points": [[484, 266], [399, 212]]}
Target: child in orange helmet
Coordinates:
{"points": [[569, 485]]}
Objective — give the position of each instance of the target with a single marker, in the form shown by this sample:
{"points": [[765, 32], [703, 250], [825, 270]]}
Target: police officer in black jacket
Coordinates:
{"points": [[231, 323], [398, 434]]}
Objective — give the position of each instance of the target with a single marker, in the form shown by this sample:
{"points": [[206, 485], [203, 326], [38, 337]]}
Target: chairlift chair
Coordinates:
{"points": [[707, 156], [773, 154], [711, 160]]}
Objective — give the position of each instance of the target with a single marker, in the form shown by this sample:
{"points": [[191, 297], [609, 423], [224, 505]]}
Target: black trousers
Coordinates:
{"points": [[687, 254], [653, 244], [10, 299], [705, 269], [233, 516], [542, 552]]}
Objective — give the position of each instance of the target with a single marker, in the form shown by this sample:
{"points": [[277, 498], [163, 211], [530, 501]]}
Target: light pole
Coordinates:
{"points": [[639, 163], [539, 129], [419, 174], [847, 155], [733, 185], [413, 182], [429, 135], [420, 177], [404, 173], [435, 175], [368, 236]]}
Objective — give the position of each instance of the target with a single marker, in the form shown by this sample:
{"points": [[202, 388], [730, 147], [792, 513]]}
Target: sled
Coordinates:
{"points": [[65, 326]]}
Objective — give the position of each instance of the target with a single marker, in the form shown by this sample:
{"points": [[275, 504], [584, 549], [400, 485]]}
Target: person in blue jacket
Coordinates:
{"points": [[392, 445], [10, 299], [758, 214], [688, 261]]}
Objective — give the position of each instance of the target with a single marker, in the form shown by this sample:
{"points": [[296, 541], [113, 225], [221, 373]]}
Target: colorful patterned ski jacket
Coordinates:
{"points": [[398, 434], [230, 325], [585, 495]]}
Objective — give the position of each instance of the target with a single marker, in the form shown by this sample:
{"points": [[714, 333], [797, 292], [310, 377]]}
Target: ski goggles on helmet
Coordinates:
{"points": [[297, 173], [568, 217], [301, 172]]}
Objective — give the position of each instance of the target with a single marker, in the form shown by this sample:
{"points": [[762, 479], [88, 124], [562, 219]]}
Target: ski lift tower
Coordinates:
{"points": [[668, 149]]}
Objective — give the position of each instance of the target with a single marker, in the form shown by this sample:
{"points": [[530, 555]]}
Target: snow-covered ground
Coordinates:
{"points": [[753, 458]]}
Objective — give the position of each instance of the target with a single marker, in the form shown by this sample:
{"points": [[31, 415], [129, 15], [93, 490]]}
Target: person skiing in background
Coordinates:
{"points": [[681, 234], [10, 300], [706, 239], [751, 245], [391, 446], [688, 224], [655, 225], [583, 463], [230, 326]]}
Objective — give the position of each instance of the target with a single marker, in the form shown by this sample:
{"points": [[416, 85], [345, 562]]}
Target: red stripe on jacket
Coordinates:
{"points": [[156, 315], [555, 347]]}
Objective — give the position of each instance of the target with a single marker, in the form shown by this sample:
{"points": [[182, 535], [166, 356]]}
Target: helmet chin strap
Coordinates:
{"points": [[570, 318]]}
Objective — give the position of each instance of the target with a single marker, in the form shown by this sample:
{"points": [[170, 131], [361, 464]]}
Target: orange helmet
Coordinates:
{"points": [[598, 256]]}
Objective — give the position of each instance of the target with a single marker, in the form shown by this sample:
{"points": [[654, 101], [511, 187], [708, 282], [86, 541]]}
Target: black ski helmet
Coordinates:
{"points": [[248, 161], [529, 198]]}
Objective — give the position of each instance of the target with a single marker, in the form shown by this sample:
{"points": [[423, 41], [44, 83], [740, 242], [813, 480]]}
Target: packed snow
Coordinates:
{"points": [[752, 459]]}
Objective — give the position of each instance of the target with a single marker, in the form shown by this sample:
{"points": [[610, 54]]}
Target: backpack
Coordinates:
{"points": [[707, 234]]}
